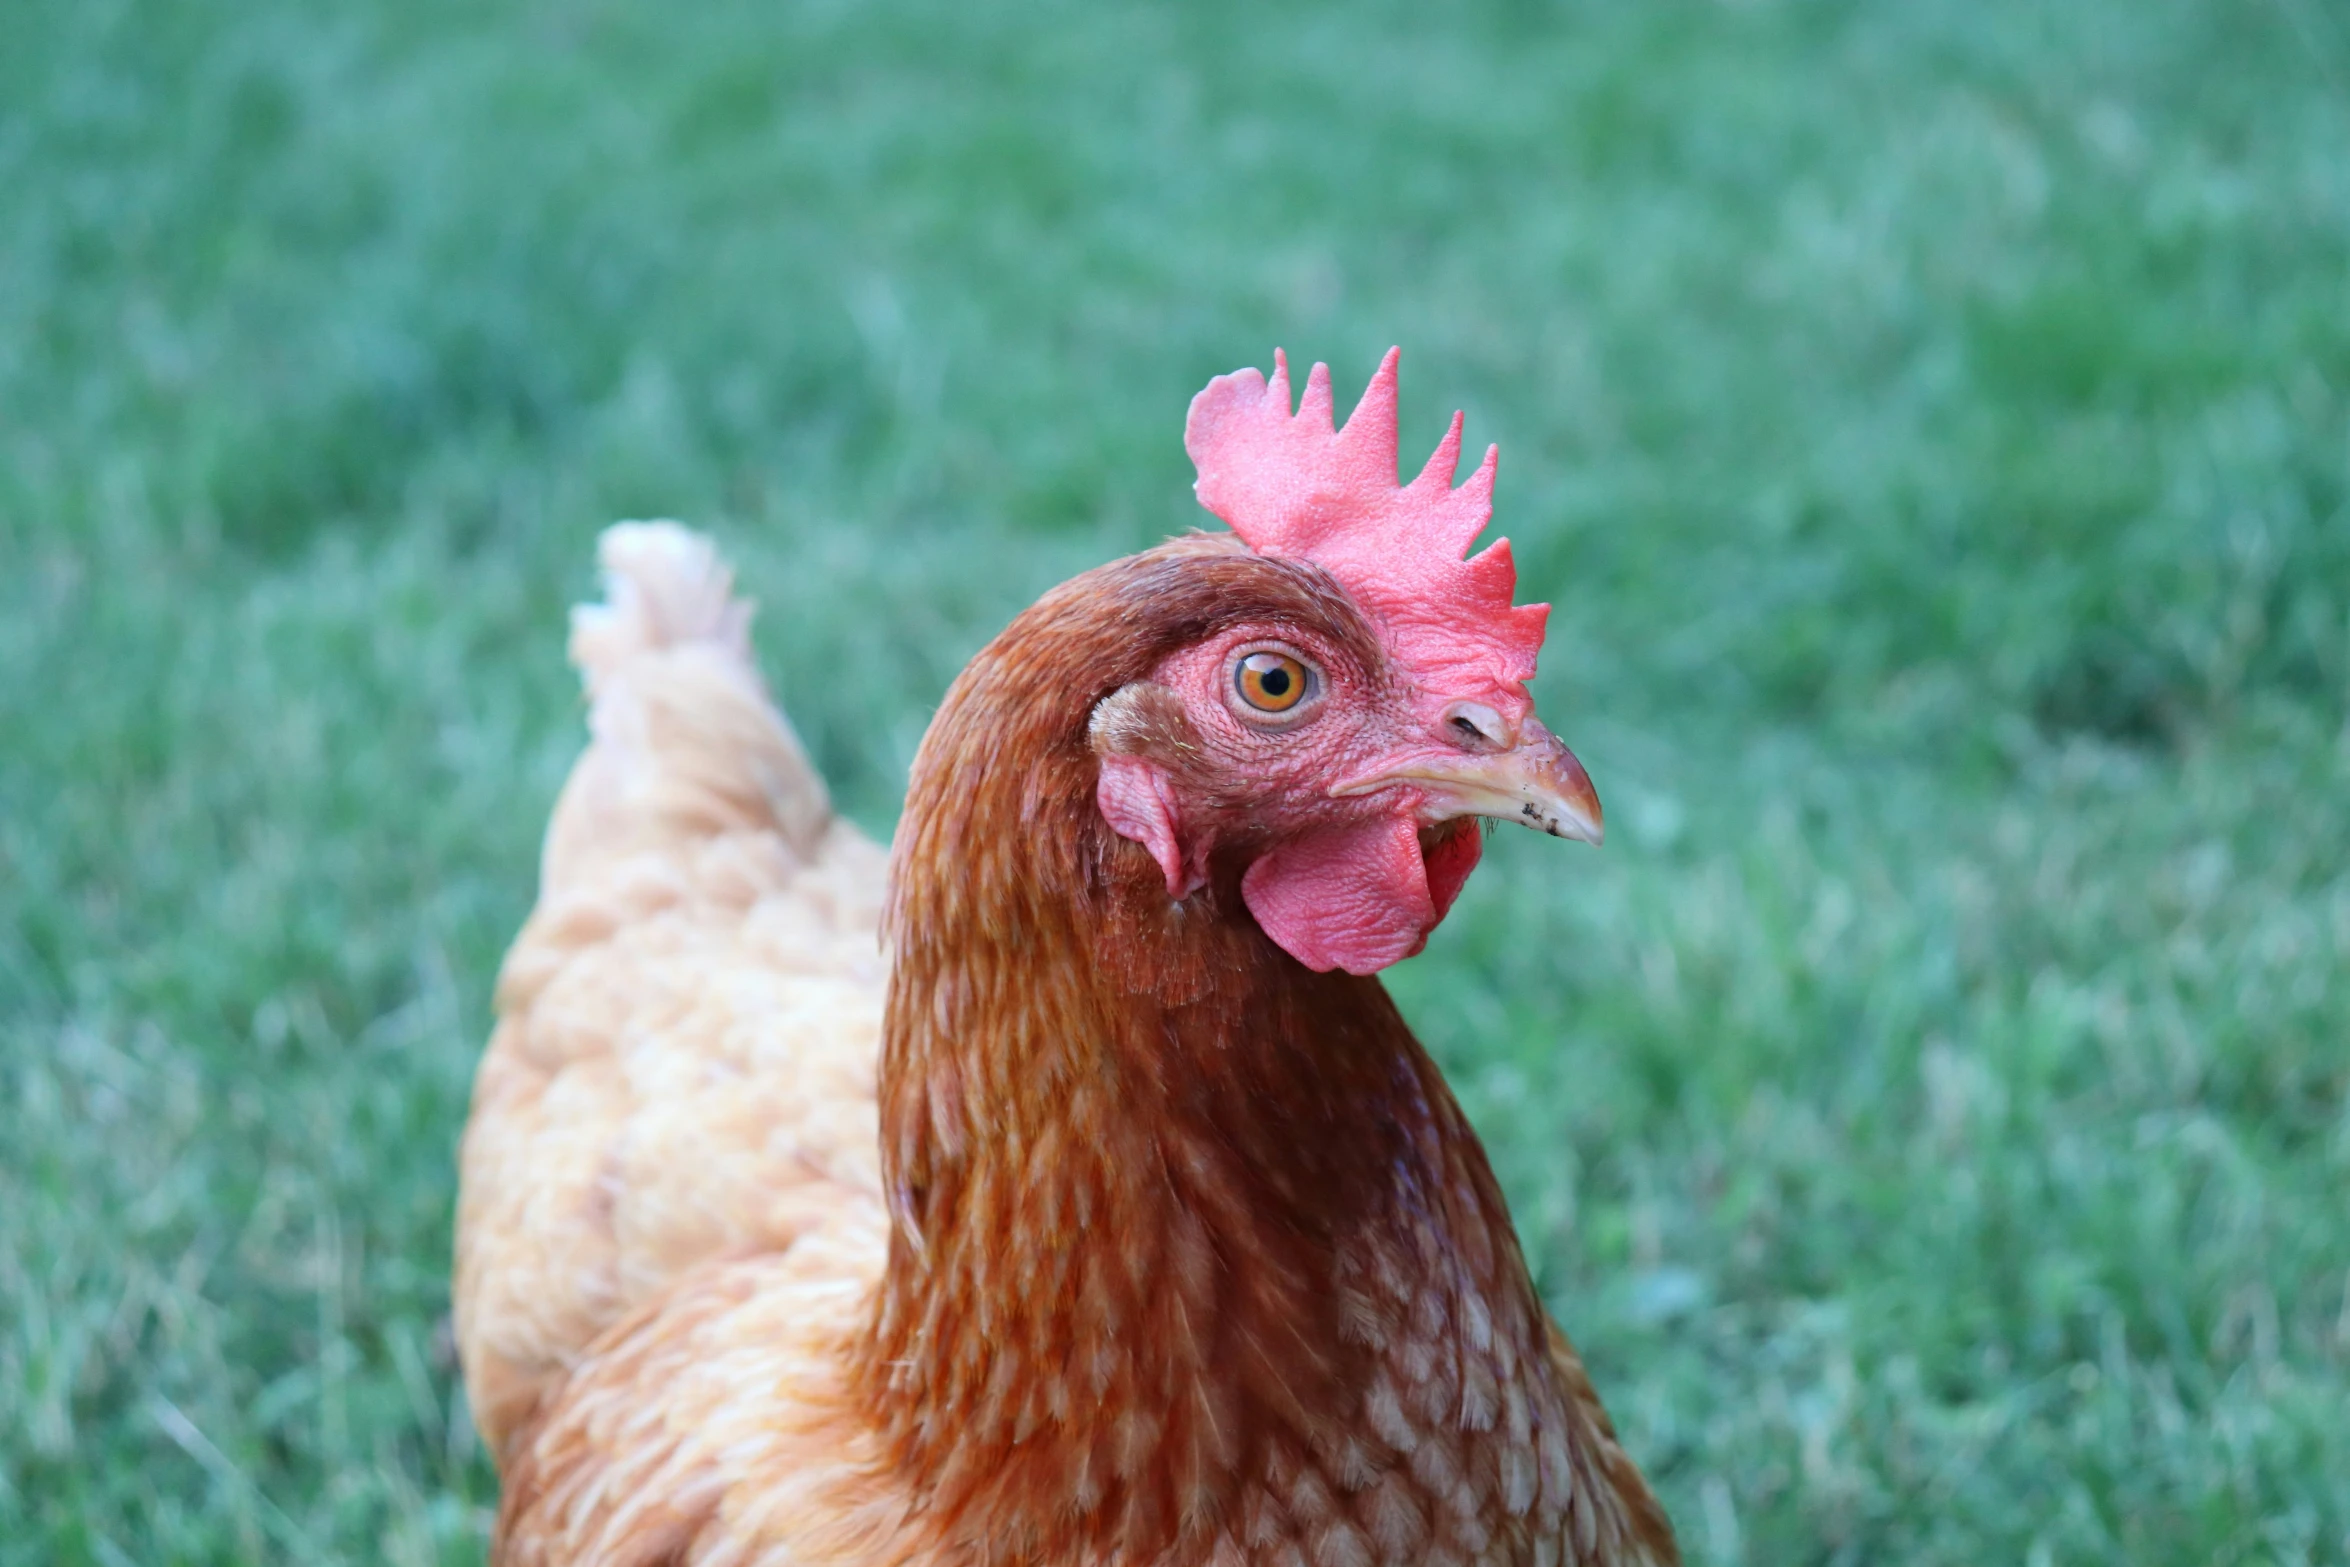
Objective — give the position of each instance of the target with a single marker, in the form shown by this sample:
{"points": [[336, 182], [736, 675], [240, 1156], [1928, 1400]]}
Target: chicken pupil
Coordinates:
{"points": [[1275, 681]]}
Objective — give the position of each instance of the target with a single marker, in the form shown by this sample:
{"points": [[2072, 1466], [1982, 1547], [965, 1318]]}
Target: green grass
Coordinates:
{"points": [[1932, 422]]}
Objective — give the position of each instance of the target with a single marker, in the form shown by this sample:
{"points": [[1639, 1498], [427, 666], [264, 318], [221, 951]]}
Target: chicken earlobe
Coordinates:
{"points": [[1137, 801], [1129, 731], [1132, 729]]}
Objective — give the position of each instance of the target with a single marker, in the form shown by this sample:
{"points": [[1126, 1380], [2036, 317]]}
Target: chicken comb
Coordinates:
{"points": [[1291, 484]]}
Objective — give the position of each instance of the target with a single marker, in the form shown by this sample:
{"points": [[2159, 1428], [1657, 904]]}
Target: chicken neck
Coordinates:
{"points": [[1185, 1235]]}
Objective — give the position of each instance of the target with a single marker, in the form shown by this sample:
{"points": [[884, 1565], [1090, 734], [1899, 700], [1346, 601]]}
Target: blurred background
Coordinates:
{"points": [[1931, 421]]}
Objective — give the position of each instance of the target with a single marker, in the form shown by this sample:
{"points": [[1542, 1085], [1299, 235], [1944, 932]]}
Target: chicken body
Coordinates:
{"points": [[1062, 1277]]}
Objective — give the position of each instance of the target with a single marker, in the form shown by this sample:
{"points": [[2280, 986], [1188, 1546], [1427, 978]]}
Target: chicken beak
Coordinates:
{"points": [[1535, 783]]}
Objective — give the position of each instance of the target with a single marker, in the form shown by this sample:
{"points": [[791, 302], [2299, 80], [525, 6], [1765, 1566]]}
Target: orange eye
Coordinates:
{"points": [[1271, 682]]}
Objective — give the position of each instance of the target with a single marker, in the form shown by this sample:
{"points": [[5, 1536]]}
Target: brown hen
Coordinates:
{"points": [[1109, 1218]]}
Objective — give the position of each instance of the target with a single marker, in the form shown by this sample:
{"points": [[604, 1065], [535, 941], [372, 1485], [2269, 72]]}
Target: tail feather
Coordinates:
{"points": [[665, 586], [685, 741]]}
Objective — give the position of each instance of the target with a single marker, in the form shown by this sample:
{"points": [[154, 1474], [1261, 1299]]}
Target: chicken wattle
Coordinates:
{"points": [[1116, 1216]]}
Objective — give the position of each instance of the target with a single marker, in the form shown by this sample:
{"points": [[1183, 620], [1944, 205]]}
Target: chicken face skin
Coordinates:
{"points": [[1351, 802]]}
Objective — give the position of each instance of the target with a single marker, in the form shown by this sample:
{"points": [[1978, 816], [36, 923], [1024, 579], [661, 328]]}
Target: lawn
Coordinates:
{"points": [[1932, 422]]}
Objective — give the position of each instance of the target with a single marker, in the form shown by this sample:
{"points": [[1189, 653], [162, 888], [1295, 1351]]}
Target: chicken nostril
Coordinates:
{"points": [[1477, 726]]}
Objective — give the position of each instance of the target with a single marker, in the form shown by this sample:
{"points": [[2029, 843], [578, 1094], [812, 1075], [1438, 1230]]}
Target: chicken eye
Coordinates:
{"points": [[1271, 682]]}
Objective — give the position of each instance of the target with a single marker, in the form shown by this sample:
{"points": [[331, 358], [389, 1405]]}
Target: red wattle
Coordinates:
{"points": [[1449, 864], [1356, 898]]}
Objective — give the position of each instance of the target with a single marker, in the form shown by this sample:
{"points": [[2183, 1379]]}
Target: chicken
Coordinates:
{"points": [[1069, 1193]]}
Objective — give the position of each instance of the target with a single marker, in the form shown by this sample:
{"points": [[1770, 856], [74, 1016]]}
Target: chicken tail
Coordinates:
{"points": [[666, 587], [686, 744]]}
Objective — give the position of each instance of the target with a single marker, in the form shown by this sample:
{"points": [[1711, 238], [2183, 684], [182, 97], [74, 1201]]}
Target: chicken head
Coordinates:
{"points": [[1345, 755]]}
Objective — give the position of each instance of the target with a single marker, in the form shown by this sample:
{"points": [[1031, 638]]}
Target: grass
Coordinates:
{"points": [[1932, 422]]}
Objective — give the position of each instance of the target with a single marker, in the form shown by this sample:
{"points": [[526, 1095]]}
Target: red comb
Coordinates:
{"points": [[1291, 485]]}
